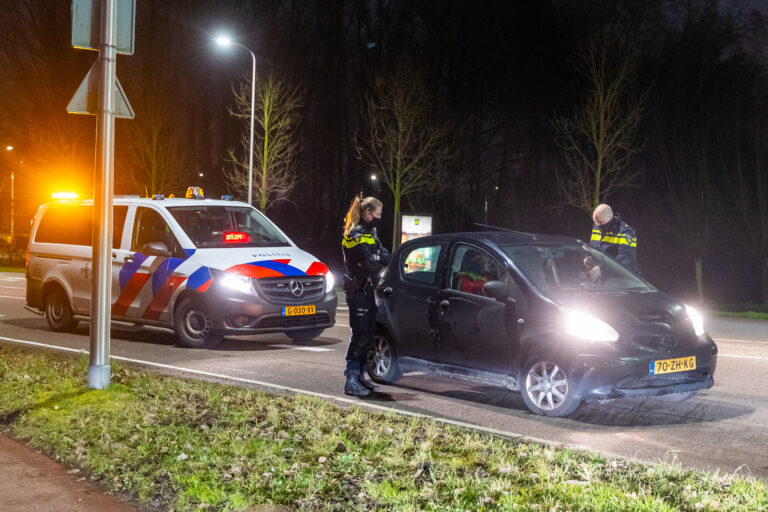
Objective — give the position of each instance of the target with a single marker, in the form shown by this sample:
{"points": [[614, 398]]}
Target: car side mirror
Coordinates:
{"points": [[155, 249], [497, 290]]}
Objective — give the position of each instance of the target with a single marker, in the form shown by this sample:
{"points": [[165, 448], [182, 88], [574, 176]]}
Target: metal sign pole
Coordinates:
{"points": [[103, 184]]}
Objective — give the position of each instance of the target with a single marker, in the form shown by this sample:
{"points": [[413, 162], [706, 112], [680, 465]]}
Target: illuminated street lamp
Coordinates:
{"points": [[225, 41], [10, 148]]}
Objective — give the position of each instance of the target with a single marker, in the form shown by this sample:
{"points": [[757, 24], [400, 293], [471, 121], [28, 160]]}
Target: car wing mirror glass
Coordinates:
{"points": [[497, 290], [155, 249]]}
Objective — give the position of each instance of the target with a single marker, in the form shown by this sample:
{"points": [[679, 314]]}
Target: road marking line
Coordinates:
{"points": [[308, 349], [743, 357], [12, 297], [239, 370], [13, 287], [349, 401], [739, 341]]}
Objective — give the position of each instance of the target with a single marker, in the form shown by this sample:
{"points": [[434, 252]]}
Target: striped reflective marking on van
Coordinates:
{"points": [[129, 293]]}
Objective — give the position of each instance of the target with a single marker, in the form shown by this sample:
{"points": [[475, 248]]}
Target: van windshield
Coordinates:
{"points": [[571, 267], [227, 226]]}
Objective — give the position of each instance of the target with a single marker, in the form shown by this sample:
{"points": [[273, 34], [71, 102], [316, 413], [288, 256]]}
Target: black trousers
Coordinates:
{"points": [[362, 322]]}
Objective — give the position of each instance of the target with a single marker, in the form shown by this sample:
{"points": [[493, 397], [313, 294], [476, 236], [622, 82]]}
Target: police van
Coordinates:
{"points": [[204, 268]]}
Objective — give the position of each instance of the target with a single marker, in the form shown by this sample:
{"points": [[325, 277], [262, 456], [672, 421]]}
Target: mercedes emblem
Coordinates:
{"points": [[297, 289]]}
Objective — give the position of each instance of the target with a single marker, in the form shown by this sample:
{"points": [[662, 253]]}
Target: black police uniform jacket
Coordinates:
{"points": [[618, 240], [364, 255]]}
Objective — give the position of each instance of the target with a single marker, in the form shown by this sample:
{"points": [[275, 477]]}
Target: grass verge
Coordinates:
{"points": [[186, 444]]}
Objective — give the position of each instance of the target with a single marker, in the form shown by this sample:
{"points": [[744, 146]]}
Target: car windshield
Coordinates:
{"points": [[571, 267], [227, 226]]}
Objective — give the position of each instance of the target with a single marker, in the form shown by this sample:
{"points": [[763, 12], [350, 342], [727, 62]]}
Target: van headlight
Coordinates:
{"points": [[237, 282], [696, 319], [329, 282], [587, 327]]}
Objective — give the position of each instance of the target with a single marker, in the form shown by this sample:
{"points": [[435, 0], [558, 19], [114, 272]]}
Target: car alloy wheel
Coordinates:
{"points": [[382, 360], [547, 389]]}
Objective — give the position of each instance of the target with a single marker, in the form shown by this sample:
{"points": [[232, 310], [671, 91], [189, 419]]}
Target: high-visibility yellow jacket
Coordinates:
{"points": [[618, 240]]}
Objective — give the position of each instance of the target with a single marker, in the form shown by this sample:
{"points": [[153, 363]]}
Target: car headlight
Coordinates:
{"points": [[329, 282], [587, 327], [237, 282], [696, 319]]}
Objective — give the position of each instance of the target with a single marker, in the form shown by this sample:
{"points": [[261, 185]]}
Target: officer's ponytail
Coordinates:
{"points": [[357, 209]]}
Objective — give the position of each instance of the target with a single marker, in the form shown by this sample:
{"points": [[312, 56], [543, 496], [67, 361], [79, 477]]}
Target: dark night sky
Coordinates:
{"points": [[498, 72]]}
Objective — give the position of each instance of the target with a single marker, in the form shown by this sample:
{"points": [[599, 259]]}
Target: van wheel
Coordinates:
{"points": [[193, 325], [304, 334], [547, 389], [58, 312], [382, 360]]}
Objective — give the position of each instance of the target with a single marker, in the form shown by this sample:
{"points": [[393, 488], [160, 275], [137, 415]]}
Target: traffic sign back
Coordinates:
{"points": [[86, 25]]}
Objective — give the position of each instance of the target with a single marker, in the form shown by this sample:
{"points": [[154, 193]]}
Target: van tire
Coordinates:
{"points": [[305, 334], [193, 325], [58, 312]]}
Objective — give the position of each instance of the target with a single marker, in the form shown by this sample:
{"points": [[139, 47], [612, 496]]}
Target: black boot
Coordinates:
{"points": [[366, 383], [353, 386]]}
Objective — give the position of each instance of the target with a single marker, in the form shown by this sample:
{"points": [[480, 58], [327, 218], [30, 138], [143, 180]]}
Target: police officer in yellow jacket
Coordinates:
{"points": [[364, 256], [614, 237]]}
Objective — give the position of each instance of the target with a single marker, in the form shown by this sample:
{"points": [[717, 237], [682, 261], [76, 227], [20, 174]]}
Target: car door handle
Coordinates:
{"points": [[114, 255], [387, 291], [128, 258], [445, 304]]}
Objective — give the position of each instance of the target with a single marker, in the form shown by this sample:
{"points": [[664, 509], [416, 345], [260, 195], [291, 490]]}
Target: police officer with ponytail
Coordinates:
{"points": [[364, 256]]}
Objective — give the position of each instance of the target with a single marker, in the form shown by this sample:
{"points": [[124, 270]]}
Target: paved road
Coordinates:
{"points": [[725, 427]]}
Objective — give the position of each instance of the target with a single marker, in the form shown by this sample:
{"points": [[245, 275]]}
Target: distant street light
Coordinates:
{"points": [[10, 148], [374, 177], [225, 41]]}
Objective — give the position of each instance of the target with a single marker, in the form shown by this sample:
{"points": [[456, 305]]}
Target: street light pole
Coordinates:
{"points": [[10, 148], [225, 41]]}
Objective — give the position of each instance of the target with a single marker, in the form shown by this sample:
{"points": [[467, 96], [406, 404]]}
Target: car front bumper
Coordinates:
{"points": [[604, 377], [234, 313]]}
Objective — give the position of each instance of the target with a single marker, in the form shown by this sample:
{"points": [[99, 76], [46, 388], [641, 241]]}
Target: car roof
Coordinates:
{"points": [[166, 202], [496, 238]]}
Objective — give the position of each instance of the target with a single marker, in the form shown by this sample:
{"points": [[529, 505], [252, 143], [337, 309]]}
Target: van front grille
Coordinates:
{"points": [[291, 290]]}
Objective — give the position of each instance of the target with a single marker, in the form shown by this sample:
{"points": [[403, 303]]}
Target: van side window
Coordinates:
{"points": [[73, 225], [151, 227]]}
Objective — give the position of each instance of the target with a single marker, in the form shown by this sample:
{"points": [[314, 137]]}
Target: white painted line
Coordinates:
{"points": [[359, 403], [13, 287], [12, 297], [743, 357], [308, 349], [739, 341], [239, 370]]}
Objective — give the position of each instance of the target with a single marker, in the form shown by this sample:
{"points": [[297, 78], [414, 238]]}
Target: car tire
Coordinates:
{"points": [[677, 397], [305, 334], [58, 312], [382, 360], [194, 326], [547, 389]]}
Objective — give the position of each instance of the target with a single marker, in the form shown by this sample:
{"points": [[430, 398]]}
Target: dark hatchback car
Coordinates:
{"points": [[543, 315]]}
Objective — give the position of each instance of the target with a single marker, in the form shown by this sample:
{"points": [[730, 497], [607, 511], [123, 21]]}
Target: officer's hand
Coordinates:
{"points": [[595, 273]]}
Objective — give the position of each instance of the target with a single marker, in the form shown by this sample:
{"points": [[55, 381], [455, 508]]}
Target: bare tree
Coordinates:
{"points": [[598, 140], [402, 137], [276, 142], [155, 161]]}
